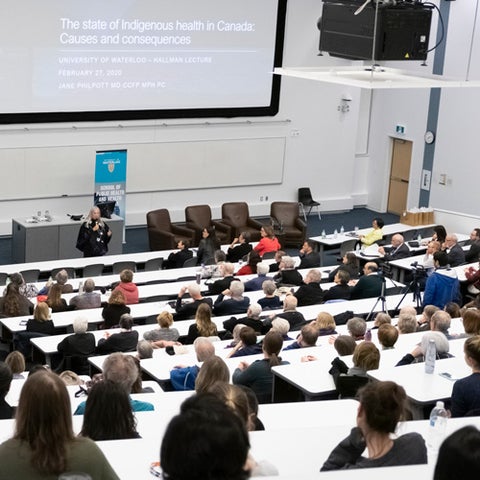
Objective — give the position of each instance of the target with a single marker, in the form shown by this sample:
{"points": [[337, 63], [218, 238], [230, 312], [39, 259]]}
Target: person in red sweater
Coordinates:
{"points": [[268, 242], [127, 287]]}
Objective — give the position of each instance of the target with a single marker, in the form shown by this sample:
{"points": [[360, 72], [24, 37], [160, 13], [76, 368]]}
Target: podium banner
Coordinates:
{"points": [[111, 178]]}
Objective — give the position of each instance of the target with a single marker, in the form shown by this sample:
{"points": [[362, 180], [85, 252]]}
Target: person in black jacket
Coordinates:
{"points": [[6, 411], [189, 309], [310, 293], [341, 290], [94, 235], [239, 248], [226, 270], [125, 341], [177, 259], [309, 258]]}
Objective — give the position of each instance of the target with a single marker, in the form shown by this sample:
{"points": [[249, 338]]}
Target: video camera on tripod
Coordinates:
{"points": [[418, 271]]}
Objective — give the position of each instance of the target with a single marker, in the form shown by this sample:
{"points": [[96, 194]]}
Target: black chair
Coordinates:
{"points": [[305, 200], [117, 267], [348, 385], [30, 276], [94, 270], [153, 264], [76, 363], [21, 342], [190, 262], [3, 278]]}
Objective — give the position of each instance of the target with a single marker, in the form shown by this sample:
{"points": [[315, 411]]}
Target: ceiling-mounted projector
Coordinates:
{"points": [[347, 29]]}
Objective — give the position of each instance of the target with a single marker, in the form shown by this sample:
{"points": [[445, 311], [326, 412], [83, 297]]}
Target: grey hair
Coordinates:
{"points": [[80, 324], [262, 268]]}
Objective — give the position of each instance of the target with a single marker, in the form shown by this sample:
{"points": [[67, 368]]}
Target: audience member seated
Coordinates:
{"points": [[439, 234], [382, 406], [366, 356], [226, 270], [398, 250], [380, 319], [281, 326], [203, 326], [214, 370], [14, 304], [387, 336], [205, 420], [61, 279], [165, 331], [440, 322], [258, 375], [456, 255], [349, 264], [287, 274], [247, 345], [114, 309], [310, 292], [345, 345], [473, 253], [186, 309], [16, 361], [309, 258], [207, 246], [177, 259], [270, 301], [418, 353], [239, 248], [325, 324], [251, 320], [183, 377], [370, 283], [472, 275], [375, 235], [428, 262], [357, 327], [341, 290], [466, 391], [235, 397], [144, 350], [458, 457], [6, 376], [257, 282], [41, 321], [28, 290], [290, 313], [250, 267], [234, 305], [55, 300], [88, 299], [268, 242], [81, 343], [275, 267], [44, 444], [407, 323], [424, 320], [122, 370], [124, 341], [442, 285], [471, 321], [127, 287], [108, 413], [254, 421], [308, 338]]}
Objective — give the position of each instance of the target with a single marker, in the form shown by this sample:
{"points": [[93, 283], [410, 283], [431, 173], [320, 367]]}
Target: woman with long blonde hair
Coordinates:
{"points": [[203, 326]]}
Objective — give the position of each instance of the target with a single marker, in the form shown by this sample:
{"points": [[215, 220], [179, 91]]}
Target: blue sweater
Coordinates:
{"points": [[442, 287]]}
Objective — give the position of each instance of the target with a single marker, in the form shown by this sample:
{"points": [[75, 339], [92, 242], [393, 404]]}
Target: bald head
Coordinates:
{"points": [[397, 240]]}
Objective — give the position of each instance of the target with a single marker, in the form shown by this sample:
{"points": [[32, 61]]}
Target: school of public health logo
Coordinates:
{"points": [[111, 167]]}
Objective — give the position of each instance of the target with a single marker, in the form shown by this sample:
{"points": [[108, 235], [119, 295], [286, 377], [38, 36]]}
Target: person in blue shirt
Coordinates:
{"points": [[122, 370]]}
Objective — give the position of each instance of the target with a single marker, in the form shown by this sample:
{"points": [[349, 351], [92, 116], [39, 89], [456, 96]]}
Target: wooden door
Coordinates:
{"points": [[399, 176]]}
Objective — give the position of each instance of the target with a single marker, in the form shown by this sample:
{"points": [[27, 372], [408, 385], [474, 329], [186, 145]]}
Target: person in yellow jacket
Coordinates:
{"points": [[375, 234]]}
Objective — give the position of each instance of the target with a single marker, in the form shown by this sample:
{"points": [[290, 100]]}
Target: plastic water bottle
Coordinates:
{"points": [[430, 356], [335, 233], [324, 235], [342, 230], [419, 238], [437, 427], [368, 335], [80, 287]]}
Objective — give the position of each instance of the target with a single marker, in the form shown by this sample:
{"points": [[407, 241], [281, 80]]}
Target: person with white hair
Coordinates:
{"points": [[251, 320], [270, 301], [88, 299], [94, 235], [234, 305], [455, 253], [186, 310], [81, 343], [418, 353], [287, 274], [310, 292], [291, 314], [256, 283], [226, 271]]}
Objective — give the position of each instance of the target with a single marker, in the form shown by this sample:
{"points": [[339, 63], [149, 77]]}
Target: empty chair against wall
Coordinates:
{"points": [[305, 200], [286, 218]]}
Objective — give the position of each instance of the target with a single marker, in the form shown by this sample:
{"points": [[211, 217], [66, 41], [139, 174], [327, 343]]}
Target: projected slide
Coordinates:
{"points": [[94, 55]]}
